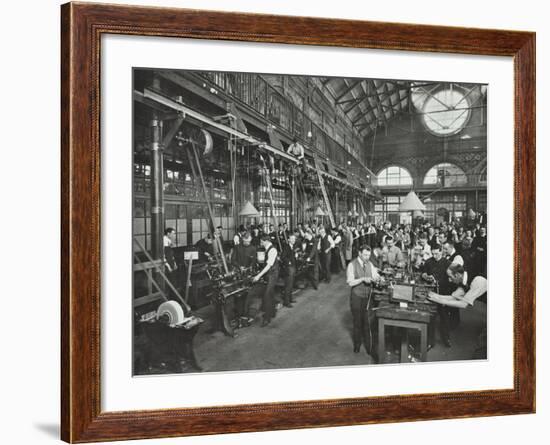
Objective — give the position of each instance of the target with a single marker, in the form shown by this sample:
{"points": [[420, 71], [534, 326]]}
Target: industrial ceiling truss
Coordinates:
{"points": [[369, 103]]}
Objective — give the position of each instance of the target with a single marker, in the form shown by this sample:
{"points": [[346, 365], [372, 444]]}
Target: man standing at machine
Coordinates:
{"points": [[361, 274], [271, 271], [311, 255], [391, 254], [435, 271], [470, 288], [243, 257], [326, 244], [288, 263], [169, 259]]}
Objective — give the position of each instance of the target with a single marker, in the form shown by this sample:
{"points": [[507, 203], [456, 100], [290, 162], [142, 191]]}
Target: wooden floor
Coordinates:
{"points": [[315, 332]]}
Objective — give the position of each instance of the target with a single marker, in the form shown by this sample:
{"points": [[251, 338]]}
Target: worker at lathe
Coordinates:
{"points": [[271, 270]]}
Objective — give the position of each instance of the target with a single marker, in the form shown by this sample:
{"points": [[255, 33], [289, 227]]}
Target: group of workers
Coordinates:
{"points": [[449, 255]]}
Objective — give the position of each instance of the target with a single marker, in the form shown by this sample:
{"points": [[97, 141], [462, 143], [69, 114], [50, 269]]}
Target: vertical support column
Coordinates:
{"points": [[157, 188], [337, 208], [293, 203]]}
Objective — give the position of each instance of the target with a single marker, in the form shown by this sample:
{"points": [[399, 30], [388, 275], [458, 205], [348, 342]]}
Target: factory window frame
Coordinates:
{"points": [[388, 209], [445, 175], [446, 112], [281, 200], [175, 216], [455, 206], [142, 221], [394, 175]]}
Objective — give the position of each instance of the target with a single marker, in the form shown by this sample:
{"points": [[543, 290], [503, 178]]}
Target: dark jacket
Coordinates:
{"points": [[311, 251], [288, 256], [243, 256]]}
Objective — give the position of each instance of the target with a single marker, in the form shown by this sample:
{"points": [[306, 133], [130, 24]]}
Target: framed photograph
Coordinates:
{"points": [[275, 222]]}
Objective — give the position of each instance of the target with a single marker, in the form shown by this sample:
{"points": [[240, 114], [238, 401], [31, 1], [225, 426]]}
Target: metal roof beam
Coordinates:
{"points": [[347, 90]]}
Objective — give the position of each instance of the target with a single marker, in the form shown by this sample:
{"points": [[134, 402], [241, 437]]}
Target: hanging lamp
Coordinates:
{"points": [[249, 210], [319, 212], [412, 203]]}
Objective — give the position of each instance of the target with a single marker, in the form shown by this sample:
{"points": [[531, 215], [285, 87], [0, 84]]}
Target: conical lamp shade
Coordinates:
{"points": [[411, 203], [249, 210], [319, 212]]}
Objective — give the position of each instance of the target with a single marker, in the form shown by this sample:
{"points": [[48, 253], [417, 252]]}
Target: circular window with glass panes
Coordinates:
{"points": [[445, 110]]}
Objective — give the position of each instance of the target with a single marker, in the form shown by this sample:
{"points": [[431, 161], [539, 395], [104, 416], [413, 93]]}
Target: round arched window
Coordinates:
{"points": [[446, 112], [445, 175], [394, 175]]}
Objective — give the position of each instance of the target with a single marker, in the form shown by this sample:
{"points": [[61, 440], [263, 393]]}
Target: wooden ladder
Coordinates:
{"points": [[324, 190]]}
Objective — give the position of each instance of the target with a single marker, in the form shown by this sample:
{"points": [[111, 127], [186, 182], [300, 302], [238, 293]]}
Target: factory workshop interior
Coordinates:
{"points": [[285, 221]]}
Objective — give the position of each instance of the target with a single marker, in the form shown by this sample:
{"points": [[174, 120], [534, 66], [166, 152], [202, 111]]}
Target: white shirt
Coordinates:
{"points": [[426, 251], [457, 259], [296, 149], [271, 256], [350, 271], [167, 241], [478, 287]]}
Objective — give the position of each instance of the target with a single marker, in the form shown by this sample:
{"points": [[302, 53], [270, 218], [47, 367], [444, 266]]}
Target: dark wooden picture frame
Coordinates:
{"points": [[82, 26]]}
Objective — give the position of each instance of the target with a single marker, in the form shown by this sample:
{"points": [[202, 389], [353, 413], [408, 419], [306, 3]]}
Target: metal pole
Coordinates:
{"points": [[209, 207], [294, 202], [157, 189], [337, 212]]}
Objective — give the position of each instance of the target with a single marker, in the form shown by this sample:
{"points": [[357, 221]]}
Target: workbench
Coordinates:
{"points": [[169, 345], [406, 319], [416, 315]]}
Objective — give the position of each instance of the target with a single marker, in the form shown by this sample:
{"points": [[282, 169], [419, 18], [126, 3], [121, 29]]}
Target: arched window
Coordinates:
{"points": [[394, 175], [445, 175]]}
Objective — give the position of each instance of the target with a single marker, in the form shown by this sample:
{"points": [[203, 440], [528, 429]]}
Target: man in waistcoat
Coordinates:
{"points": [[271, 271], [470, 289], [361, 274]]}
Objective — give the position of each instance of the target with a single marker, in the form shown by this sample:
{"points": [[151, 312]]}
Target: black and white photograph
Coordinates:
{"points": [[290, 221]]}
